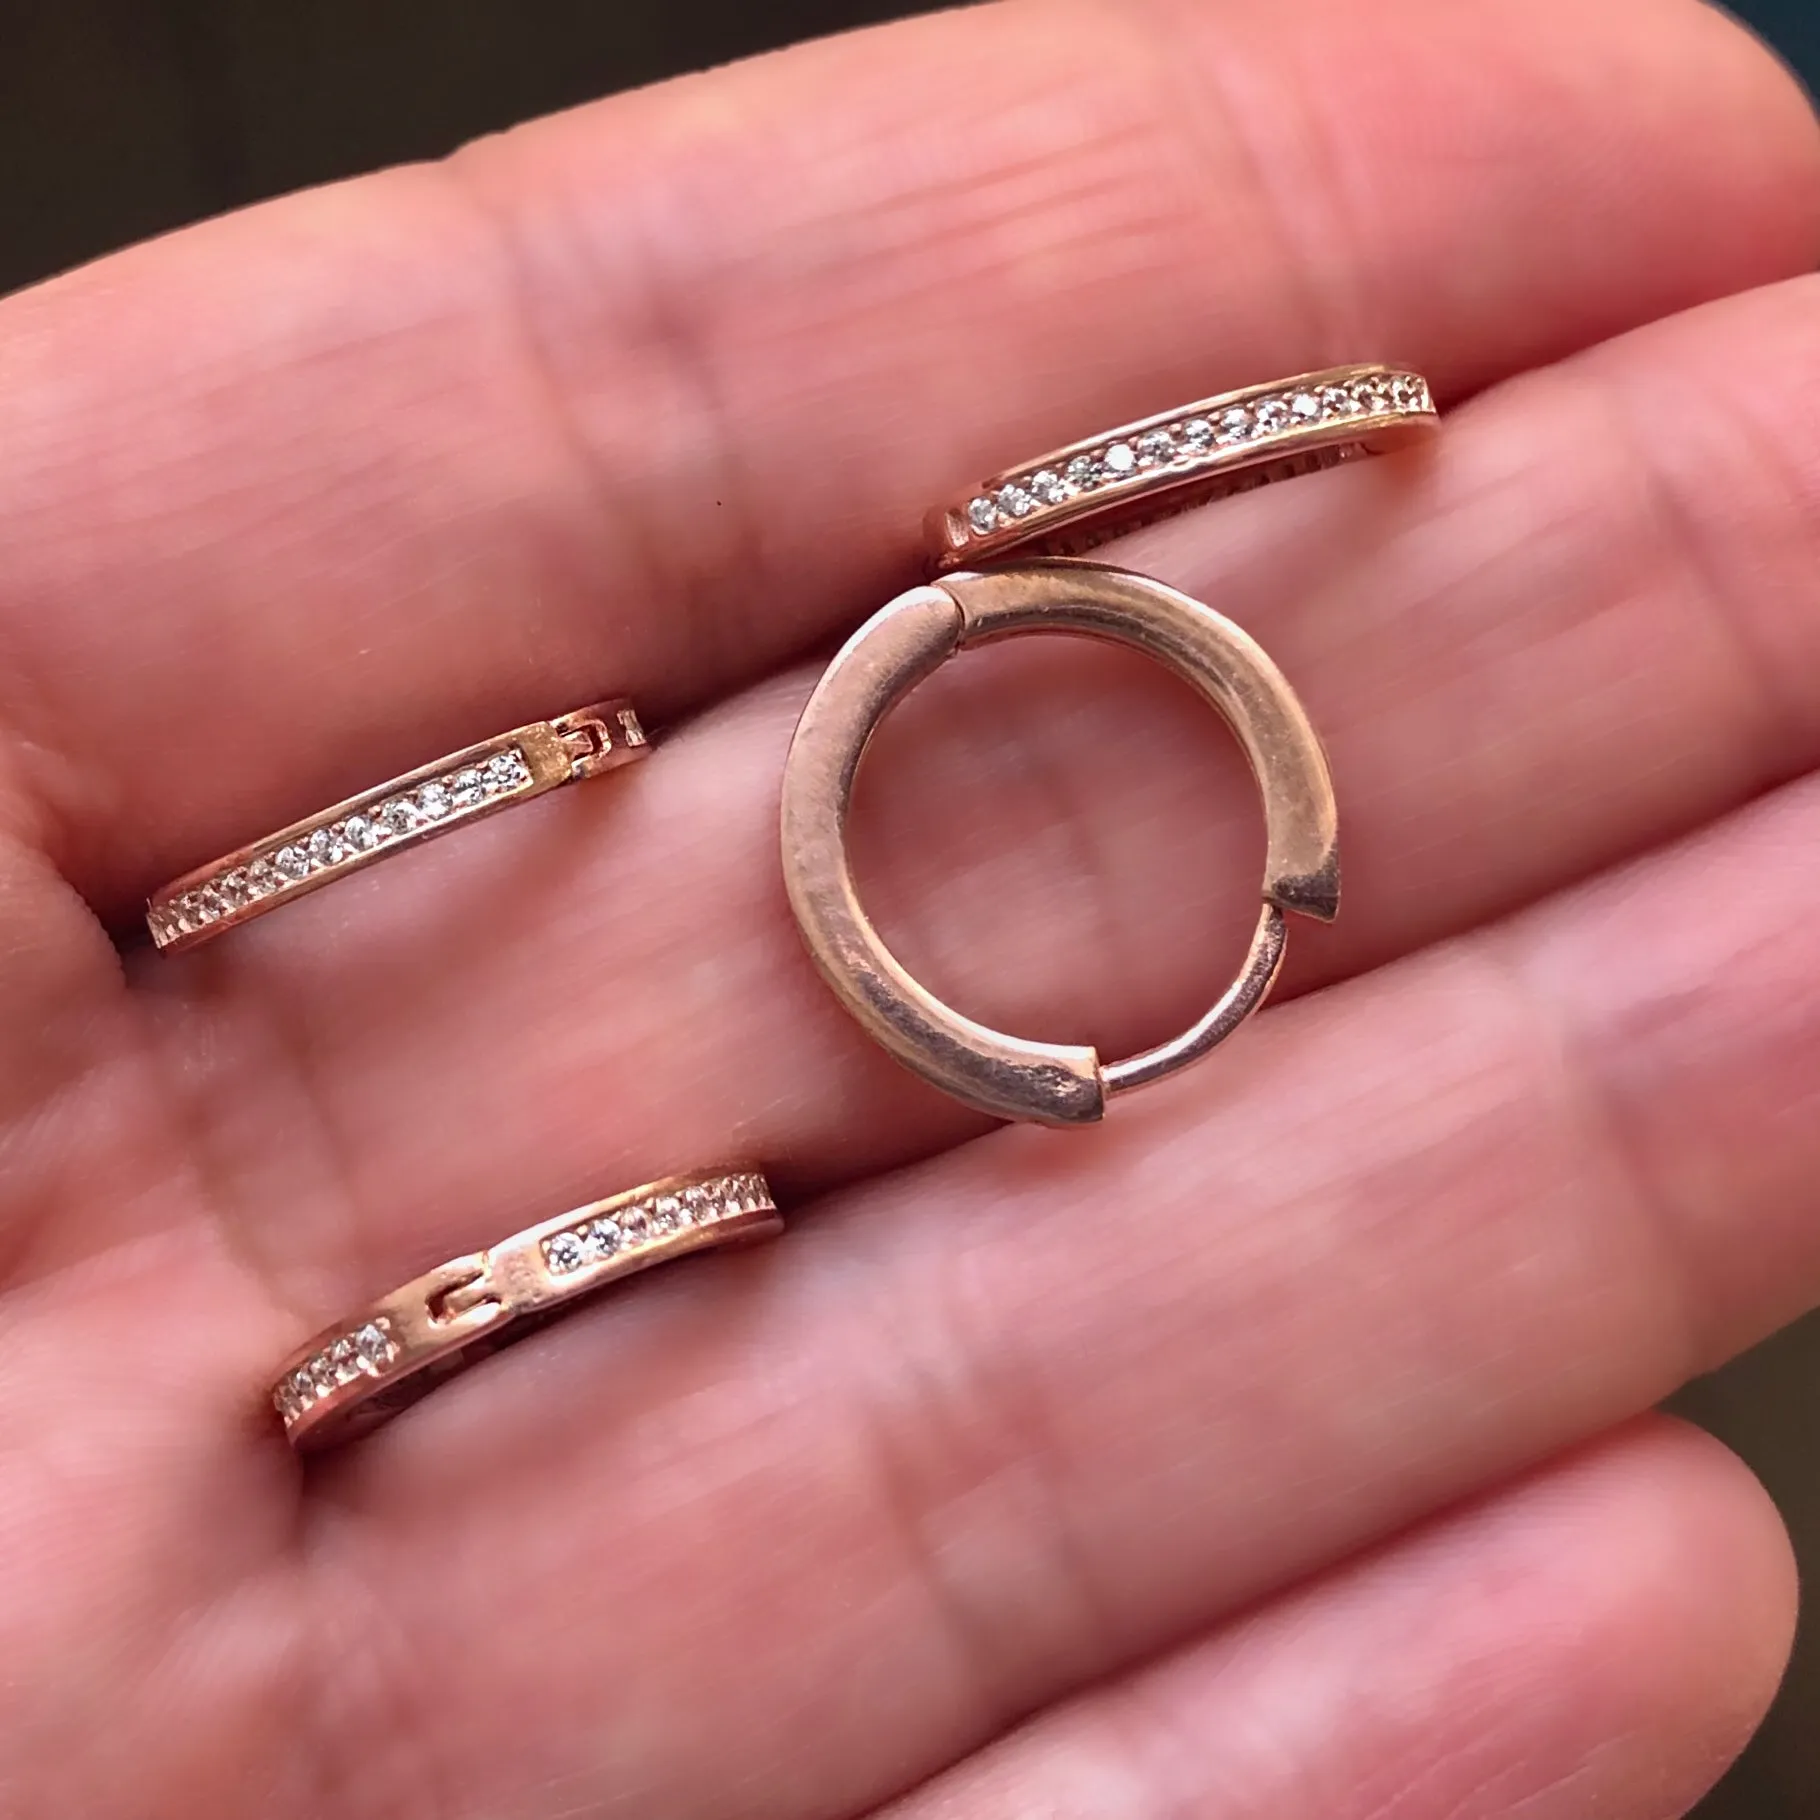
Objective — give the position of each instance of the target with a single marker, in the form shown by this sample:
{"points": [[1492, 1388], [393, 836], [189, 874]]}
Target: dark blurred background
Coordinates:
{"points": [[120, 118]]}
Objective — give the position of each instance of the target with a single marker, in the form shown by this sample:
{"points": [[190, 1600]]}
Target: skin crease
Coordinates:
{"points": [[1269, 1449], [1477, 1710]]}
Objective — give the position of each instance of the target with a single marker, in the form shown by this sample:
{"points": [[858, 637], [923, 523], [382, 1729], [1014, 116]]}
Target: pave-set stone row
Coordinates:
{"points": [[281, 869], [1194, 440], [656, 1217], [365, 1352]]}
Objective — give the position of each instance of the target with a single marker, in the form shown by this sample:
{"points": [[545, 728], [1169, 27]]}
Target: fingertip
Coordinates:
{"points": [[1723, 1570], [1758, 123], [1674, 1571]]}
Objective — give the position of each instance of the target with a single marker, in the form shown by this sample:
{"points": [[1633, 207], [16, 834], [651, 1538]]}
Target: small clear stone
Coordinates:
{"points": [[1121, 460], [634, 1227], [1155, 448], [1304, 407], [327, 846], [234, 889], [1272, 415], [697, 1203], [565, 1252], [323, 1371], [362, 836], [345, 1360], [262, 878], [374, 1344], [1083, 474], [1050, 487], [433, 802], [203, 907], [1235, 425], [284, 1400], [303, 1387], [604, 1238], [982, 514], [506, 772], [666, 1213], [1372, 394], [398, 815], [1336, 401], [466, 788], [1197, 433], [1016, 502], [1406, 393]]}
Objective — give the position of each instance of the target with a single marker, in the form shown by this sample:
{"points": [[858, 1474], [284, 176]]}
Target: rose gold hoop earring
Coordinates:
{"points": [[360, 1372], [1063, 502], [1072, 499], [433, 800], [899, 647]]}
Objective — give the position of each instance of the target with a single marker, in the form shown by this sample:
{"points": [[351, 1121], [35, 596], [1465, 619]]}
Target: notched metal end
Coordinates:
{"points": [[462, 1289], [600, 738], [1315, 894], [1036, 1093], [944, 538]]}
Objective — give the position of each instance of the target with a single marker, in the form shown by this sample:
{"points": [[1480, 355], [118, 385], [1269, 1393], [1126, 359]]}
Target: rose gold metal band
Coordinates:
{"points": [[904, 643], [353, 1376], [419, 806], [1071, 499]]}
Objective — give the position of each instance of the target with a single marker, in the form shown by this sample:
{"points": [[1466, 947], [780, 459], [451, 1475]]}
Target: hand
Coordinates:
{"points": [[1275, 1449]]}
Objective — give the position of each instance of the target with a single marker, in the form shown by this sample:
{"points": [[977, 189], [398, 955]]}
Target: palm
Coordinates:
{"points": [[952, 1496]]}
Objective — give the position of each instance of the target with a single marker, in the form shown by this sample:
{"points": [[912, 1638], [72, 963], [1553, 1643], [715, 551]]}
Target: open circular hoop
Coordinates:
{"points": [[905, 642]]}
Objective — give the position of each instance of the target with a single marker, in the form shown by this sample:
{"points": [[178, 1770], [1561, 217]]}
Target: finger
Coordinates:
{"points": [[1600, 1639], [992, 1428], [648, 396], [1509, 684]]}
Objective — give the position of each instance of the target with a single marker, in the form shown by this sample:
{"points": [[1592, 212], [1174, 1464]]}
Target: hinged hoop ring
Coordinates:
{"points": [[906, 641]]}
